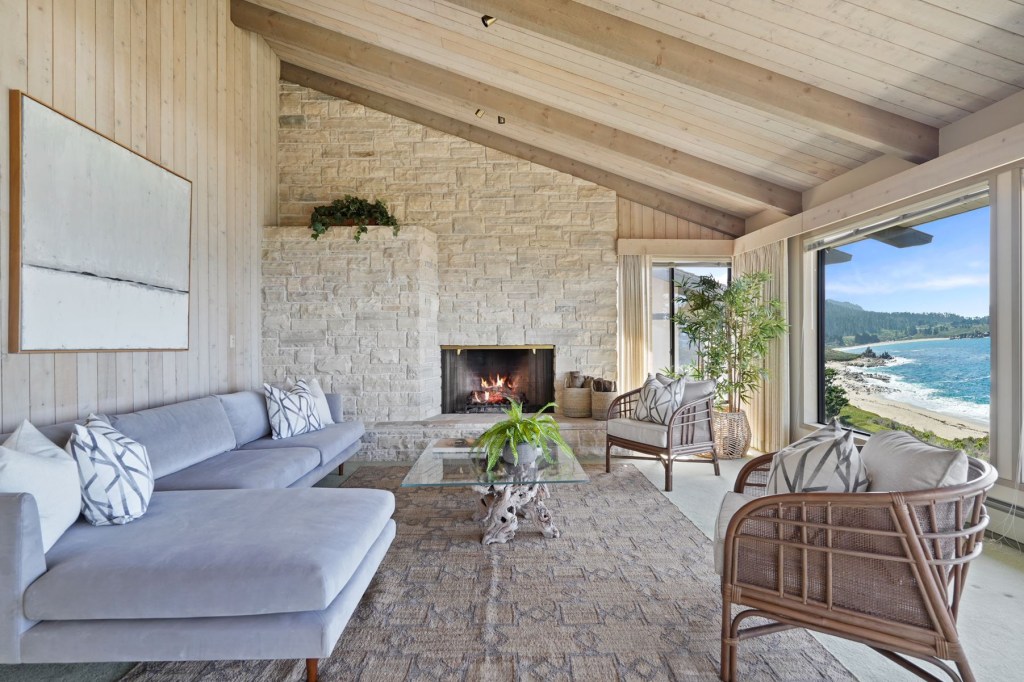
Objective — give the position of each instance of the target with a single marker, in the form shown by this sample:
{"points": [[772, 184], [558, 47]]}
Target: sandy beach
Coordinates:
{"points": [[872, 398]]}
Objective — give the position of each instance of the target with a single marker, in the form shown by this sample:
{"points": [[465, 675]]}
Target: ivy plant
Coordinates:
{"points": [[352, 210]]}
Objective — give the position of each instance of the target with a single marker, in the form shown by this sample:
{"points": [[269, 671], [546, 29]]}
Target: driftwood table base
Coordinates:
{"points": [[501, 506]]}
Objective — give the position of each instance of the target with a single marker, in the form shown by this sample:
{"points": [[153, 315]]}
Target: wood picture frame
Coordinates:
{"points": [[100, 255]]}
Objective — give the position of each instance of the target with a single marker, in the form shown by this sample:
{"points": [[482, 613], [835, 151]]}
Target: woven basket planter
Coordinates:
{"points": [[576, 402], [600, 401], [732, 434]]}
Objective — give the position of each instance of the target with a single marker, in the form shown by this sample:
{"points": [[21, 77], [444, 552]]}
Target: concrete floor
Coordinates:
{"points": [[991, 616]]}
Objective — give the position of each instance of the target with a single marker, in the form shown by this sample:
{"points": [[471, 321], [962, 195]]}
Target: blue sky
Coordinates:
{"points": [[950, 275]]}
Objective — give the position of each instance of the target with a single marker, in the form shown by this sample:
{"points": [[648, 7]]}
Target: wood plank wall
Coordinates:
{"points": [[637, 221], [176, 81]]}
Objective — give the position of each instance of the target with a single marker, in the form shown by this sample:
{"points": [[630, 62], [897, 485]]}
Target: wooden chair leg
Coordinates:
{"points": [[668, 475], [607, 456], [312, 665], [714, 460]]}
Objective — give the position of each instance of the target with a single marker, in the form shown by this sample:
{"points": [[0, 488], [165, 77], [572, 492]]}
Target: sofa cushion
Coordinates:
{"points": [[896, 461], [31, 463], [730, 505], [115, 473], [826, 461], [201, 553], [657, 401], [179, 435], [247, 412], [330, 440], [292, 411], [655, 435], [254, 469]]}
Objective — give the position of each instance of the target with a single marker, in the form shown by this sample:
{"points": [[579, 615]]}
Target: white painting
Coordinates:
{"points": [[101, 243]]}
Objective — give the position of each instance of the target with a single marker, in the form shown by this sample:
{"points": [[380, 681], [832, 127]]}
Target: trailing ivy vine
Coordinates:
{"points": [[353, 210]]}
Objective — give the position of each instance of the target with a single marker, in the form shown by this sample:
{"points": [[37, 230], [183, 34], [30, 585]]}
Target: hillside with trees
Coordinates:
{"points": [[848, 324]]}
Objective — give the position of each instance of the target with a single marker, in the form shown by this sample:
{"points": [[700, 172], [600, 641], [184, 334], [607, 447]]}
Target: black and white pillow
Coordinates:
{"points": [[292, 412], [825, 461], [114, 471], [657, 400]]}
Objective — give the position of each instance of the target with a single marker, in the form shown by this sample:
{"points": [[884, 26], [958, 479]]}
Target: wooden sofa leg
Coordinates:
{"points": [[311, 669], [607, 456], [341, 469]]}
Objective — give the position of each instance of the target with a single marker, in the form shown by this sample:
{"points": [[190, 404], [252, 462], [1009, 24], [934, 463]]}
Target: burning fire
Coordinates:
{"points": [[496, 390]]}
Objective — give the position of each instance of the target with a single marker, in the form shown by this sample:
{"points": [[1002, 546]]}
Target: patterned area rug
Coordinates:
{"points": [[627, 593]]}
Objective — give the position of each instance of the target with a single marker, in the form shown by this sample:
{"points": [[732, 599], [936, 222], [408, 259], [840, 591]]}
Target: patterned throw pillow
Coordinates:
{"points": [[827, 461], [114, 471], [292, 412], [657, 400]]}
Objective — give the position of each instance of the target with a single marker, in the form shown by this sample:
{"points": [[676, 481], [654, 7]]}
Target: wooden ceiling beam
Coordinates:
{"points": [[724, 223], [329, 44], [719, 74]]}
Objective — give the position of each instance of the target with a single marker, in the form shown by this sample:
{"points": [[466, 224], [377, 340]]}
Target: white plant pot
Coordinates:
{"points": [[528, 454]]}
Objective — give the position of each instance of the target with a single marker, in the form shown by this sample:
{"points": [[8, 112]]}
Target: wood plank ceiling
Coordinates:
{"points": [[711, 110]]}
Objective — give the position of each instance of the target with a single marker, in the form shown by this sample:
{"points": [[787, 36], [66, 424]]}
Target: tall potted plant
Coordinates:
{"points": [[730, 328]]}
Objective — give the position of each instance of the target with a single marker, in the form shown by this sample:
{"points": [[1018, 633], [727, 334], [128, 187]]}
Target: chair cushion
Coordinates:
{"points": [[730, 505], [247, 413], [896, 461], [115, 473], [252, 469], [179, 435], [330, 440], [825, 461], [201, 553], [696, 390], [657, 400], [648, 433]]}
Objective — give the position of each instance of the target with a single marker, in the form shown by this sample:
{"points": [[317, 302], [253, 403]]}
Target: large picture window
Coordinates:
{"points": [[671, 347], [904, 328]]}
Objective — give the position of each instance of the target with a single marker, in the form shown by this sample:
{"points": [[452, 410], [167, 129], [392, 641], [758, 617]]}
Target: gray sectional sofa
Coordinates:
{"points": [[236, 557]]}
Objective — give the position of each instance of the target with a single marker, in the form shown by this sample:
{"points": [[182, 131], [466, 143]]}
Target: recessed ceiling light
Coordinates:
{"points": [[501, 120], [487, 20], [479, 113]]}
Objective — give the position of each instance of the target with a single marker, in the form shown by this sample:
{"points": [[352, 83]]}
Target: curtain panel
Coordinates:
{"points": [[768, 409], [634, 321]]}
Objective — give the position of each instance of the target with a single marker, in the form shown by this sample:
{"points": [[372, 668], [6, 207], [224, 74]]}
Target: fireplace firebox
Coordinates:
{"points": [[489, 378]]}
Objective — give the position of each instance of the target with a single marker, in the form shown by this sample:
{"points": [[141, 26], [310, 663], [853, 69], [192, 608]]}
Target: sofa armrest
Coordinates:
{"points": [[334, 402], [21, 562]]}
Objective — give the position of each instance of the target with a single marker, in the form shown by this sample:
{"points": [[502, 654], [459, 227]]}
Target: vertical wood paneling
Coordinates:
{"points": [[642, 222], [172, 79]]}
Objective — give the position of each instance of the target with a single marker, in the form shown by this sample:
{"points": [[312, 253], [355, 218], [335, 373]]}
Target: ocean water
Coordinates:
{"points": [[952, 376]]}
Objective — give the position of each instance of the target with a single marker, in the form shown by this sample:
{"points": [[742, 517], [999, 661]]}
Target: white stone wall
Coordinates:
{"points": [[524, 254]]}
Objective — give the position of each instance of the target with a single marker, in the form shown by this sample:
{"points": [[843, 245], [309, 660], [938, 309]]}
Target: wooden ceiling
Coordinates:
{"points": [[711, 110]]}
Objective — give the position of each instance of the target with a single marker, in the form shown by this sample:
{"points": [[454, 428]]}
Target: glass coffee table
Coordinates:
{"points": [[505, 493]]}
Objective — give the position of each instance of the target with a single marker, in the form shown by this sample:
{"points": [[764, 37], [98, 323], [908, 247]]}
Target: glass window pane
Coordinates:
{"points": [[661, 326], [906, 331]]}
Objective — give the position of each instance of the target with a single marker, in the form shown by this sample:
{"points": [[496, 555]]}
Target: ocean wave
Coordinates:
{"points": [[927, 398]]}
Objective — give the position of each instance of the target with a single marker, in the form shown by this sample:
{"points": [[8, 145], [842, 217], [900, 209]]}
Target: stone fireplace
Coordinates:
{"points": [[489, 378]]}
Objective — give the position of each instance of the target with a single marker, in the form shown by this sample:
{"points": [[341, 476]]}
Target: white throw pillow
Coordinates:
{"points": [[827, 461], [292, 412], [31, 463], [657, 400], [323, 410], [898, 462], [116, 476]]}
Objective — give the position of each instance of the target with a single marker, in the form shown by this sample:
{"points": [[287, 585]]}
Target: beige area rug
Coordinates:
{"points": [[627, 593]]}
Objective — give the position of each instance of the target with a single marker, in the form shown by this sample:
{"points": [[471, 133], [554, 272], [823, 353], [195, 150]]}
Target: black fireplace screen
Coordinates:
{"points": [[489, 379]]}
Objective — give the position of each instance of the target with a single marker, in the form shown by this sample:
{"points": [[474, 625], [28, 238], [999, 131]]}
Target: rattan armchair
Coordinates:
{"points": [[689, 432], [884, 569]]}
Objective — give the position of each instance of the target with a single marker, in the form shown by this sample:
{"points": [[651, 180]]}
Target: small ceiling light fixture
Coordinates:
{"points": [[501, 120], [487, 20], [479, 113]]}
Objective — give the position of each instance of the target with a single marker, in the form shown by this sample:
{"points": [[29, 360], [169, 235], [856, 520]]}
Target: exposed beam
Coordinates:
{"points": [[331, 45], [705, 216], [699, 67]]}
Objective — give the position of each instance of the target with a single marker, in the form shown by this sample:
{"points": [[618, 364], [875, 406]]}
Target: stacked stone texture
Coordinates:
{"points": [[520, 254]]}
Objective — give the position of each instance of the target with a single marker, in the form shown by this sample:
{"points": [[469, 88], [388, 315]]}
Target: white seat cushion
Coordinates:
{"points": [[896, 461], [730, 505], [637, 431]]}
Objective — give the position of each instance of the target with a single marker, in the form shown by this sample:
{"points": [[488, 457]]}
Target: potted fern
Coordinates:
{"points": [[730, 329], [520, 439], [351, 210]]}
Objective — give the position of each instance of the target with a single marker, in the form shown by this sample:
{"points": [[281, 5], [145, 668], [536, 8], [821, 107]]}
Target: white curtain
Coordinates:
{"points": [[634, 321], [768, 410]]}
